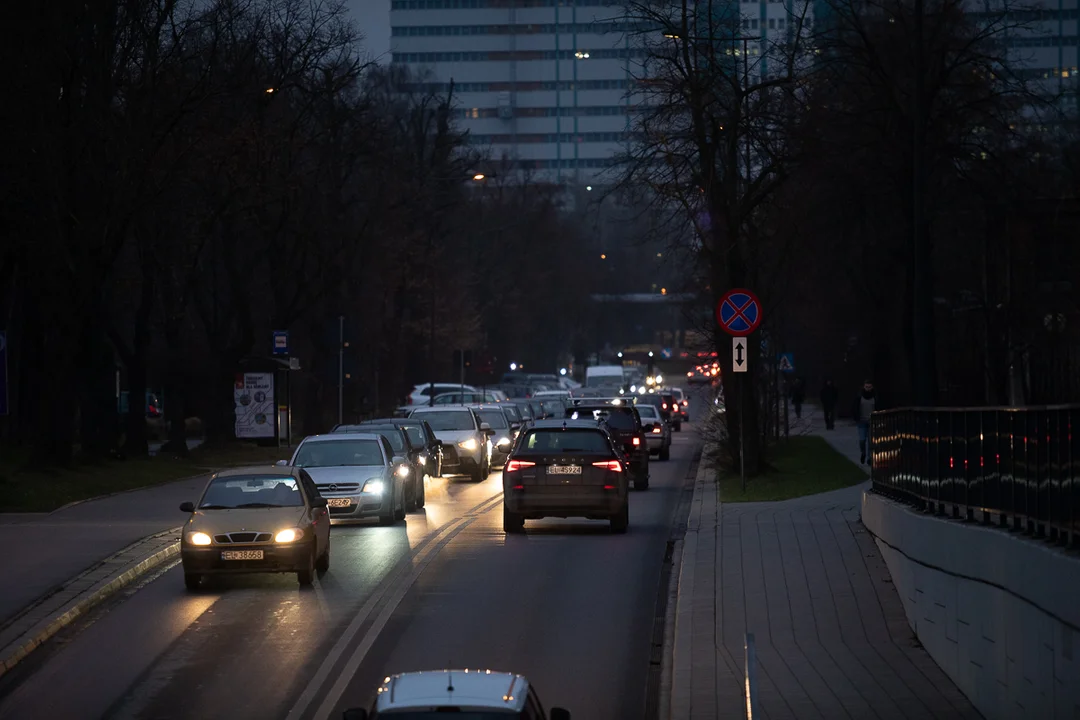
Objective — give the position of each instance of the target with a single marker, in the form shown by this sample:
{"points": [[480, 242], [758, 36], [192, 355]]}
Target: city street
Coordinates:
{"points": [[568, 604]]}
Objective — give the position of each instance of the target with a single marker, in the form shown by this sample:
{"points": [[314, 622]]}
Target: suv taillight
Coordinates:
{"points": [[515, 465], [637, 441], [657, 430], [611, 465]]}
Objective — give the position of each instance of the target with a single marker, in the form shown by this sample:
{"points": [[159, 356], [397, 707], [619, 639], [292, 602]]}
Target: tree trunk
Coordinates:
{"points": [[175, 413], [135, 441]]}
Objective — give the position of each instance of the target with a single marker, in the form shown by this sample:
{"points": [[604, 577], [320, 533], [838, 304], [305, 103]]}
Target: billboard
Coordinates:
{"points": [[253, 395]]}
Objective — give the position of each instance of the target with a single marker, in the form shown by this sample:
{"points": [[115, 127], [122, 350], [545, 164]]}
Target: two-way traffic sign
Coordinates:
{"points": [[738, 354]]}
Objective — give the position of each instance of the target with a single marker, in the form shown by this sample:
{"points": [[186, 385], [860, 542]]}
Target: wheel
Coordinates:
{"points": [[390, 516], [665, 453], [306, 576], [487, 468], [421, 495], [641, 483], [399, 514], [323, 563], [513, 522], [678, 427], [411, 502], [621, 521], [477, 475], [192, 581]]}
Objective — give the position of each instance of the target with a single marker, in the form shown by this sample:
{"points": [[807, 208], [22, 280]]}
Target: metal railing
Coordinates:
{"points": [[1020, 466], [750, 677]]}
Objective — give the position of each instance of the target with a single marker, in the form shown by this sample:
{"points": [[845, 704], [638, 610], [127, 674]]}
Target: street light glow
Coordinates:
{"points": [[513, 366], [478, 176], [620, 353], [562, 371], [269, 91], [603, 256]]}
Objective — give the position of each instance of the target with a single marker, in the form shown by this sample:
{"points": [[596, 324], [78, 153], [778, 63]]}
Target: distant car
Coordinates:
{"points": [[256, 520], [357, 473], [566, 468], [469, 694], [657, 430], [670, 406], [625, 426], [421, 394], [503, 439], [403, 446], [682, 402], [466, 440], [421, 435]]}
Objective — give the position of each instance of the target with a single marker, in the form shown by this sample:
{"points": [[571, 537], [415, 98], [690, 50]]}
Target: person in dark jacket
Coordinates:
{"points": [[828, 403], [798, 395], [864, 406]]}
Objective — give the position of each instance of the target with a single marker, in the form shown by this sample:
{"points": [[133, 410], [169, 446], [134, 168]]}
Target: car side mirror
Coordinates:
{"points": [[354, 714], [282, 463], [188, 507], [484, 427], [319, 502], [397, 460], [558, 713]]}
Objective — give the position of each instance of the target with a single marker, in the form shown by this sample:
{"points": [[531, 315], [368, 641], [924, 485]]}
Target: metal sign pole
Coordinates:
{"points": [[742, 433], [341, 370]]}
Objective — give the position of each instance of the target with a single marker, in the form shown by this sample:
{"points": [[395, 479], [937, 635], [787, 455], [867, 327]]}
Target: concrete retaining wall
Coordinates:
{"points": [[999, 613]]}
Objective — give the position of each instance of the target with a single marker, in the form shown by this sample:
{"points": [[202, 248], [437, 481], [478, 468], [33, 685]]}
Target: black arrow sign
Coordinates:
{"points": [[738, 354]]}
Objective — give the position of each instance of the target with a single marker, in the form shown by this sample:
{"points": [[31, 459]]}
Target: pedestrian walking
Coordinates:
{"points": [[798, 395], [828, 403], [865, 404]]}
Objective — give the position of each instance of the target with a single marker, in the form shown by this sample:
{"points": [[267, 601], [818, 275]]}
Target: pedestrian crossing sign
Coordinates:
{"points": [[786, 362]]}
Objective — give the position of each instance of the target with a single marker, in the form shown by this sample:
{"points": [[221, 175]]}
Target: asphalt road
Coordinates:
{"points": [[568, 604]]}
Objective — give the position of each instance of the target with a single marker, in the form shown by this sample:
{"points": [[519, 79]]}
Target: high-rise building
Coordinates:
{"points": [[541, 83]]}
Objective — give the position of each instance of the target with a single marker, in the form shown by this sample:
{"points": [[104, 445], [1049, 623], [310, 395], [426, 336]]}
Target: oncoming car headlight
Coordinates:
{"points": [[199, 538], [403, 471], [374, 486], [503, 442], [469, 444], [289, 535]]}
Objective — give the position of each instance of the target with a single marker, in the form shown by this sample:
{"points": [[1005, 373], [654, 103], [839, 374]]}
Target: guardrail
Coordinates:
{"points": [[750, 680], [1020, 465]]}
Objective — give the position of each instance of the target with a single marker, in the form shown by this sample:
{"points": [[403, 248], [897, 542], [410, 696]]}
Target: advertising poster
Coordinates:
{"points": [[254, 397]]}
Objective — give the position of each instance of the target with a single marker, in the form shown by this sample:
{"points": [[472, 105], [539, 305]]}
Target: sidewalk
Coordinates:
{"points": [[49, 549], [807, 580]]}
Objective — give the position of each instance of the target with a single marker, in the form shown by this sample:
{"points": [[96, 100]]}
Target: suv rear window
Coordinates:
{"points": [[616, 418], [548, 441]]}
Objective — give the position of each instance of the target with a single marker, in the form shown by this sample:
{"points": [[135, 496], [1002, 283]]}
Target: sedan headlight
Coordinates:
{"points": [[289, 535], [469, 444], [503, 442], [403, 471], [375, 487], [199, 538]]}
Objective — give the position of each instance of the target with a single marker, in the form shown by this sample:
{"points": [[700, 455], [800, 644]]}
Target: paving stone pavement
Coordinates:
{"points": [[807, 580]]}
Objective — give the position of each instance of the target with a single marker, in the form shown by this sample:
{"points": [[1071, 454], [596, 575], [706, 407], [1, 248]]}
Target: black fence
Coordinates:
{"points": [[1017, 467]]}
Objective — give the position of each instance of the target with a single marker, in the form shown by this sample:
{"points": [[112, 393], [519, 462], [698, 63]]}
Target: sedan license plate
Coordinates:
{"points": [[564, 470], [339, 502], [242, 555]]}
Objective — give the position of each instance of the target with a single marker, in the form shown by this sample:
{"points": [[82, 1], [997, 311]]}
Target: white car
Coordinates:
{"points": [[480, 693], [421, 394], [466, 440]]}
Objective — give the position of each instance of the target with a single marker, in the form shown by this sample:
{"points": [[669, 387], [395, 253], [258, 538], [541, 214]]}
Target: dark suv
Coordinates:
{"points": [[669, 405], [625, 426], [566, 468]]}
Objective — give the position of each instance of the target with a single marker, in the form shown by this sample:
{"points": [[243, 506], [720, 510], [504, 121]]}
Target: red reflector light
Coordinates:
{"points": [[609, 487], [519, 487], [612, 465], [637, 441], [656, 430], [515, 465]]}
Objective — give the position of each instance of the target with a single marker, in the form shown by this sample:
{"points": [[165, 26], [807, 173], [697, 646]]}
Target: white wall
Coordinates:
{"points": [[985, 609]]}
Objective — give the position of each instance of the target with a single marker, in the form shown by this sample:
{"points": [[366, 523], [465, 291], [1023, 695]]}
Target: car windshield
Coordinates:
{"points": [[512, 412], [339, 453], [494, 418], [450, 420], [251, 491], [616, 419], [548, 441], [647, 411], [415, 433], [442, 713], [391, 433]]}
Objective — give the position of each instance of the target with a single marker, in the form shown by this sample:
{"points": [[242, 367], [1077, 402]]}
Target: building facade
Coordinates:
{"points": [[545, 84]]}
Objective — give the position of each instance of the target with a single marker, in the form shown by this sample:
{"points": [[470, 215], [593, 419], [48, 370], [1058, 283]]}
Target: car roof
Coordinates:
{"points": [[463, 688], [441, 408], [489, 406], [276, 470], [564, 424], [331, 437]]}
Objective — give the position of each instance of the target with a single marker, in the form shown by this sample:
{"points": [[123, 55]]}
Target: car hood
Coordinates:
{"points": [[349, 474], [255, 519], [455, 436]]}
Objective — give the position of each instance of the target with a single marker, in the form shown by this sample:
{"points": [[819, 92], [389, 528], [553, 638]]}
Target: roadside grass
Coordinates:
{"points": [[25, 488], [803, 465]]}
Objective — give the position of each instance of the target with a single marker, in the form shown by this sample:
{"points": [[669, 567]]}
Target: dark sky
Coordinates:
{"points": [[373, 18]]}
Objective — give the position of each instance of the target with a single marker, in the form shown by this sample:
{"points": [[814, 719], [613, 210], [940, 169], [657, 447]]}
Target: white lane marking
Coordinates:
{"points": [[346, 638], [331, 699]]}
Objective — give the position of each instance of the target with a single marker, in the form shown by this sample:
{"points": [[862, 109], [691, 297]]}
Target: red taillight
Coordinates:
{"points": [[657, 430], [519, 487], [611, 487], [637, 441], [612, 465], [664, 406], [409, 400], [515, 465], [685, 403]]}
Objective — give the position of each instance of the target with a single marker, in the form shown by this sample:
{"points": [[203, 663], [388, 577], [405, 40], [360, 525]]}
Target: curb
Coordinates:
{"points": [[127, 492], [82, 606]]}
